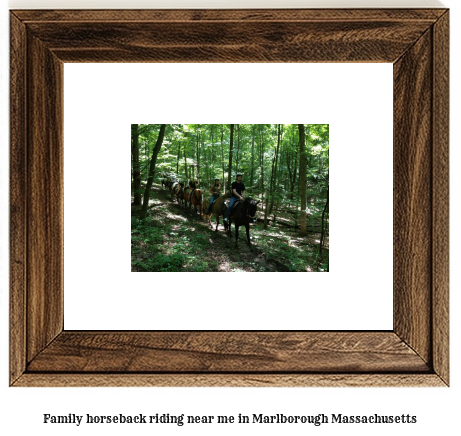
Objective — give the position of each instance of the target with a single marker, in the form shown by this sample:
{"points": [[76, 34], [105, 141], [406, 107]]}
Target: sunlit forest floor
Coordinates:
{"points": [[173, 238]]}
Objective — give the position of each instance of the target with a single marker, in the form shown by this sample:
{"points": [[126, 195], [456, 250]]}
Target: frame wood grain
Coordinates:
{"points": [[415, 353]]}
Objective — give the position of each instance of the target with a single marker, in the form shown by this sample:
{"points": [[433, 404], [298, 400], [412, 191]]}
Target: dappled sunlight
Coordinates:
{"points": [[175, 217], [285, 167], [174, 238], [154, 202]]}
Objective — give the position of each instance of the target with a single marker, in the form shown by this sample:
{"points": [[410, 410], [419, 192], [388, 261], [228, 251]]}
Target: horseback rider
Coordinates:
{"points": [[193, 185], [171, 180], [215, 192], [238, 190]]}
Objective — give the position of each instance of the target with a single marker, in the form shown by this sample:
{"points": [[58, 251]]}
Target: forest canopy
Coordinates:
{"points": [[285, 167]]}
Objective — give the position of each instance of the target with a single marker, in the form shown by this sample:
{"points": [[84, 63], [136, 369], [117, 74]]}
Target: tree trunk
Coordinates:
{"points": [[238, 147], [252, 156], [206, 179], [150, 179], [274, 175], [262, 162], [290, 174], [231, 147], [302, 177], [288, 161], [213, 157], [222, 160], [136, 168], [261, 156], [293, 180], [179, 157], [264, 190], [322, 237], [198, 156], [270, 196], [185, 162]]}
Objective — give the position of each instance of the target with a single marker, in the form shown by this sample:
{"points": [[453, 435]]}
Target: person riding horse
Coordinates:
{"points": [[238, 190], [171, 180], [165, 180], [193, 185], [215, 192]]}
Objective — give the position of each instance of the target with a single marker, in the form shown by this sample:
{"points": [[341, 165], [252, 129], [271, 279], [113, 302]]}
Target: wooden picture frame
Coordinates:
{"points": [[414, 353]]}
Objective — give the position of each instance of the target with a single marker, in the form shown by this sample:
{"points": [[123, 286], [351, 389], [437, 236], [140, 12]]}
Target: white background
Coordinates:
{"points": [[355, 99], [437, 411]]}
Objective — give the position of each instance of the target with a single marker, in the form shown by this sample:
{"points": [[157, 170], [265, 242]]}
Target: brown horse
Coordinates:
{"points": [[187, 192], [196, 199], [218, 208]]}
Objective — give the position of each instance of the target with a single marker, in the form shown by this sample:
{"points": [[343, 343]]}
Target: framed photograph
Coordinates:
{"points": [[414, 353]]}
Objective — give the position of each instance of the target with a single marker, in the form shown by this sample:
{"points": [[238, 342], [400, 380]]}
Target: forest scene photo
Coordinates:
{"points": [[229, 197]]}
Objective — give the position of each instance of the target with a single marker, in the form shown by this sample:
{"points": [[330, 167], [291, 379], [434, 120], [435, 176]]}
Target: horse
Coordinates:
{"points": [[187, 192], [242, 214], [168, 181], [218, 208], [196, 199], [174, 189], [180, 193]]}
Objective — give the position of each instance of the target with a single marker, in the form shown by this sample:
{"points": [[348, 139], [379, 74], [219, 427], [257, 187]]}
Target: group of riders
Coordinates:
{"points": [[237, 190]]}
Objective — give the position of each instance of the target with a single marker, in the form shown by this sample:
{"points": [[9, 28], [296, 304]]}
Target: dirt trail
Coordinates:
{"points": [[222, 248]]}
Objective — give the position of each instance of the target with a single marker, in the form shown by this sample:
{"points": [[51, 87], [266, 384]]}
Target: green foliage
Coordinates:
{"points": [[161, 263], [157, 247], [280, 248], [163, 243], [191, 150]]}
